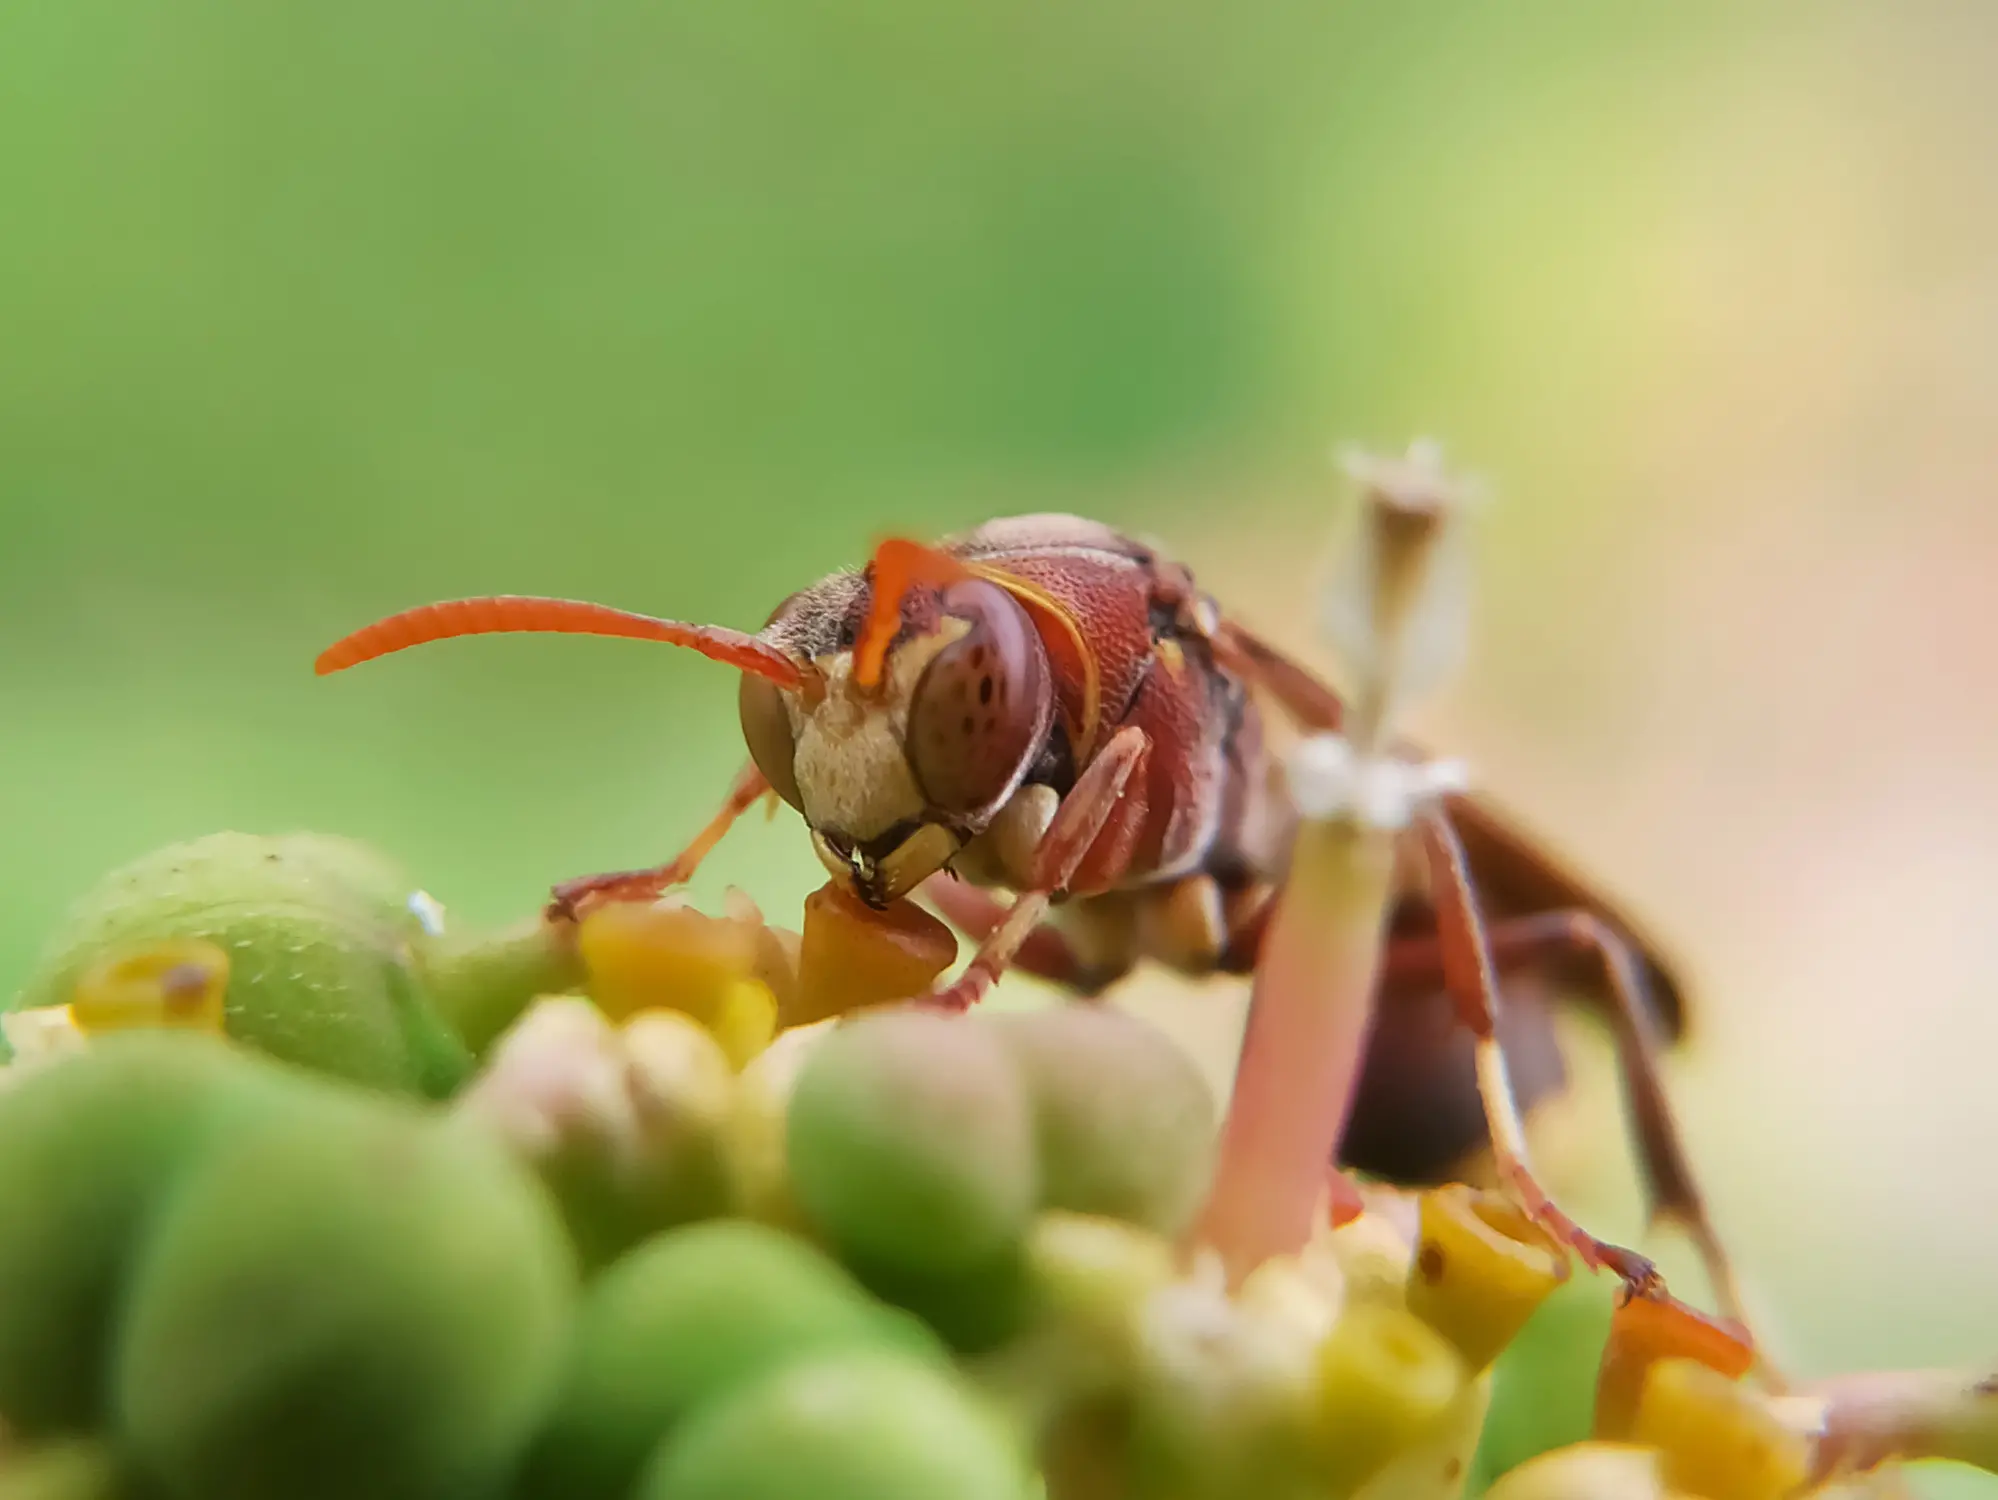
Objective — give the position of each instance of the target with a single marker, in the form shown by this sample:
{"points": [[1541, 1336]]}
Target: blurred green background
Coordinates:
{"points": [[308, 313]]}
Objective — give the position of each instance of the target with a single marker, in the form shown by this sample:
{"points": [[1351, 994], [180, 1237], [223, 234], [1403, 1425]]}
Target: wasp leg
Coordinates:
{"points": [[1181, 924], [649, 885], [1093, 824], [1670, 1184], [1045, 953], [1470, 974]]}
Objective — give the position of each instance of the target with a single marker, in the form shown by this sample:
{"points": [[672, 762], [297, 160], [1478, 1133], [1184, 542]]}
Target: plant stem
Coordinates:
{"points": [[1909, 1415], [1309, 1013]]}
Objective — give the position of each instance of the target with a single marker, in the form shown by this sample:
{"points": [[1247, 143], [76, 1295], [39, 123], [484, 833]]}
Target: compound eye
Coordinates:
{"points": [[766, 729], [982, 705]]}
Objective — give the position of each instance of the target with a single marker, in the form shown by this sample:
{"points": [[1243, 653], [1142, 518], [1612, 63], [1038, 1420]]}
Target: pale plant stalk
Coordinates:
{"points": [[1392, 612], [1301, 1051], [1865, 1420]]}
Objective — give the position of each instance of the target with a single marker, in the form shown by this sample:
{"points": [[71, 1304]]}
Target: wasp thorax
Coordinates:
{"points": [[981, 708]]}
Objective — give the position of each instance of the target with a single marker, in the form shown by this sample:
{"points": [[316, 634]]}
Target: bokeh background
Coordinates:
{"points": [[308, 313]]}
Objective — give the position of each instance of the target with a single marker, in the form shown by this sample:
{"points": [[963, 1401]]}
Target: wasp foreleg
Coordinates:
{"points": [[1045, 953], [649, 885], [1107, 799]]}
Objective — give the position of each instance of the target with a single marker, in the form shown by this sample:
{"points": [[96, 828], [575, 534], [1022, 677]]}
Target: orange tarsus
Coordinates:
{"points": [[899, 565], [510, 613]]}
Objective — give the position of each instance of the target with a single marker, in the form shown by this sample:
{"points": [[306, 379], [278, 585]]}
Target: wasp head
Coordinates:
{"points": [[912, 728]]}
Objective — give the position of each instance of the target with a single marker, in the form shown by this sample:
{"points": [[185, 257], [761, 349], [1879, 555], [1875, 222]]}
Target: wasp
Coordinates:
{"points": [[1045, 707]]}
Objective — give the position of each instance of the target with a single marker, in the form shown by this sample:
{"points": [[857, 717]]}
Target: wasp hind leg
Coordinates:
{"points": [[1465, 954], [1672, 1189]]}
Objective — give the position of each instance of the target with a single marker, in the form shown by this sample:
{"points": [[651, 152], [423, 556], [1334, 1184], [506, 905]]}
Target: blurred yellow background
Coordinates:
{"points": [[310, 313]]}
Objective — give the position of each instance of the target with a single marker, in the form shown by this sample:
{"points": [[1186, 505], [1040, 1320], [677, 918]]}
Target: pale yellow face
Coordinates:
{"points": [[855, 785]]}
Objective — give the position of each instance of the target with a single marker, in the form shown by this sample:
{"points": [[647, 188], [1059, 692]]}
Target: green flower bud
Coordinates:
{"points": [[320, 935], [1585, 1471], [683, 1320], [355, 1298], [1067, 1373], [176, 985], [973, 1308], [1125, 1121], [853, 1426], [1437, 1465], [93, 1143], [1719, 1439], [1225, 1397], [1093, 1276], [911, 1143], [483, 981], [1481, 1269], [624, 1124], [1385, 1380], [758, 1123]]}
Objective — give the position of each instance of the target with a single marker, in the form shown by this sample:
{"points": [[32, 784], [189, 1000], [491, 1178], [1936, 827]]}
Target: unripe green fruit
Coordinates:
{"points": [[90, 1145], [854, 1426], [682, 1320], [623, 1123], [911, 1143], [1124, 1120], [974, 1309], [322, 943], [357, 1298]]}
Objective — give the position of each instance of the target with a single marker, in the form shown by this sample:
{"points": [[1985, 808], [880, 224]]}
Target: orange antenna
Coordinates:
{"points": [[899, 566], [518, 613]]}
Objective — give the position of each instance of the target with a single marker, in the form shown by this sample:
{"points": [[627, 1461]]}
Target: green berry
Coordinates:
{"points": [[1125, 1121], [624, 1124], [321, 939], [355, 1299], [973, 1309], [682, 1320], [911, 1143], [90, 1144], [853, 1426]]}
